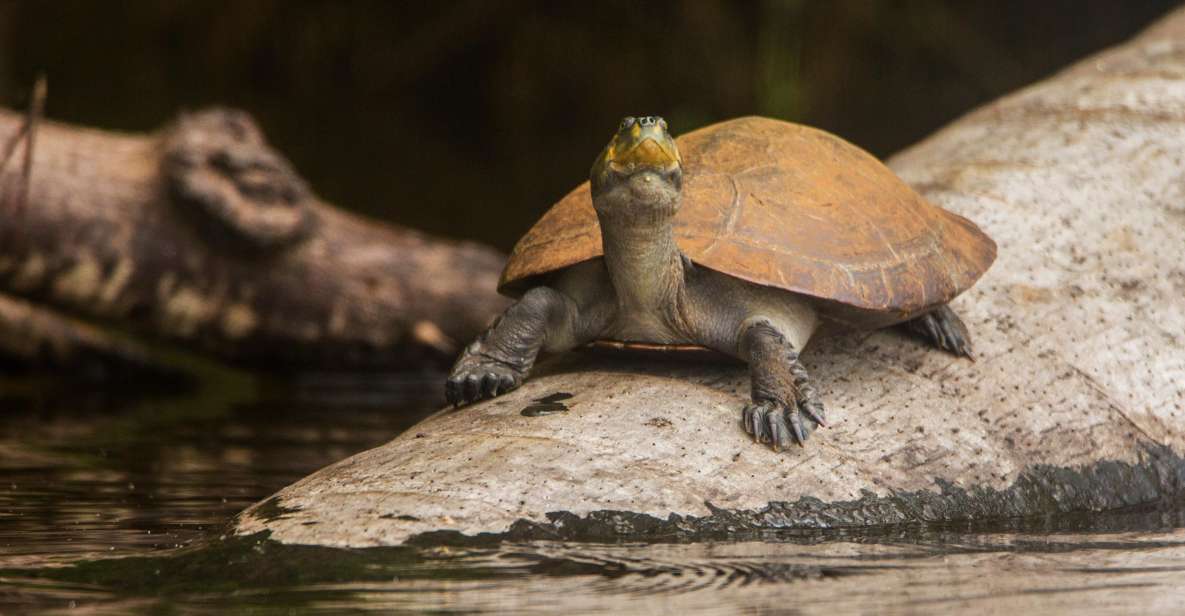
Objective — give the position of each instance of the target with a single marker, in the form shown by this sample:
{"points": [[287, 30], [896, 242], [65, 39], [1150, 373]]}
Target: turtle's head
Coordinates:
{"points": [[639, 174]]}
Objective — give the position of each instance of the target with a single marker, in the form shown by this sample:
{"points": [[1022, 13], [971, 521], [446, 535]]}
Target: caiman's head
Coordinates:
{"points": [[639, 175]]}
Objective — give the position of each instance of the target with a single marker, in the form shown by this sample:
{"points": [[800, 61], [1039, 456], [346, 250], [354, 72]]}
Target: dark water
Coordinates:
{"points": [[117, 503]]}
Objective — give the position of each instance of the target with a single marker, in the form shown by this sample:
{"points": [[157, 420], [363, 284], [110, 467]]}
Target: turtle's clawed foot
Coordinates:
{"points": [[944, 329], [775, 425], [476, 377], [501, 358], [786, 408], [479, 382], [779, 424]]}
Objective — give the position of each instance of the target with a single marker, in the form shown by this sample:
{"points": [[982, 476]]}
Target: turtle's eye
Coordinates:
{"points": [[627, 122]]}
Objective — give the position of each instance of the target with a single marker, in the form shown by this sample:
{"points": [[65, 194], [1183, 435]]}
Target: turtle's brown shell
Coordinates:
{"points": [[791, 207]]}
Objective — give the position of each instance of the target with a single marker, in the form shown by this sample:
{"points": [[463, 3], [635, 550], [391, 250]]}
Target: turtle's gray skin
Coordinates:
{"points": [[645, 290]]}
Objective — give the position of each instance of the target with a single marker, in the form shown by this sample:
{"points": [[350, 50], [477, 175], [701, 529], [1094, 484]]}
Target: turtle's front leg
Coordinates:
{"points": [[501, 358], [785, 407]]}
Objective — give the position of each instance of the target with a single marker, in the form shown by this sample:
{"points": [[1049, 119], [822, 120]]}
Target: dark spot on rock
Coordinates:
{"points": [[271, 510], [1130, 285], [404, 517], [658, 422], [547, 405], [538, 410]]}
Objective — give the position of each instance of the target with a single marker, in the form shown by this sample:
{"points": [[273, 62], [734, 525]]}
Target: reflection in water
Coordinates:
{"points": [[910, 572], [84, 474], [117, 505]]}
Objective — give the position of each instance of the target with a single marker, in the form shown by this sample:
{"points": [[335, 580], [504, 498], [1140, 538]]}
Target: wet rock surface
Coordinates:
{"points": [[1076, 401]]}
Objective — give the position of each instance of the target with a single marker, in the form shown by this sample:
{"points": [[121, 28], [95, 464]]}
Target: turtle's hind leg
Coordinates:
{"points": [[944, 329]]}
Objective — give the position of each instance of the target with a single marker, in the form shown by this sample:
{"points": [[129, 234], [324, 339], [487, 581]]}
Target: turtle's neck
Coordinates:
{"points": [[644, 262]]}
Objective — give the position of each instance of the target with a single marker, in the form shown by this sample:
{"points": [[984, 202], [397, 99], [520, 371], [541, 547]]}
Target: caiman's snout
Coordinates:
{"points": [[642, 143]]}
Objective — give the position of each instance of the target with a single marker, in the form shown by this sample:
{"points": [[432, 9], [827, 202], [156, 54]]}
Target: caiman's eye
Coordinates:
{"points": [[626, 123]]}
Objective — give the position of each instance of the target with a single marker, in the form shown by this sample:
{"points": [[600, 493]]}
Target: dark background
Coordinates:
{"points": [[469, 118]]}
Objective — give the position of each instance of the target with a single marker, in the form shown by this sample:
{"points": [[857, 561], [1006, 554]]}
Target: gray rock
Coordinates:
{"points": [[1076, 401]]}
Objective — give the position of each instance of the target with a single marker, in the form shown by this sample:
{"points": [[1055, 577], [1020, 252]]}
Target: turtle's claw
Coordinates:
{"points": [[473, 381], [450, 393], [754, 422], [943, 328], [769, 423], [814, 410], [472, 387], [782, 425], [778, 429], [795, 419], [506, 383], [489, 385], [808, 400]]}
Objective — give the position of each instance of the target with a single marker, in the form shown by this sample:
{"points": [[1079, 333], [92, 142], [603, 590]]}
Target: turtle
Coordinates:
{"points": [[747, 237]]}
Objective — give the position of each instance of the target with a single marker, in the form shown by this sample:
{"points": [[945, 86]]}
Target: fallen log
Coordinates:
{"points": [[36, 338], [1076, 401], [203, 235]]}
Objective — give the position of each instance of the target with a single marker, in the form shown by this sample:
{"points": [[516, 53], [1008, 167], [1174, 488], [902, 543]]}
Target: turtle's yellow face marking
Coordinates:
{"points": [[640, 144]]}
